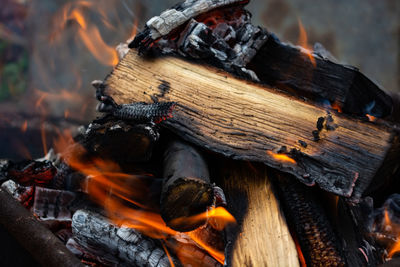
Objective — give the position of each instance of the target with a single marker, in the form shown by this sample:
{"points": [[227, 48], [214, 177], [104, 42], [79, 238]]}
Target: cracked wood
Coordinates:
{"points": [[247, 121]]}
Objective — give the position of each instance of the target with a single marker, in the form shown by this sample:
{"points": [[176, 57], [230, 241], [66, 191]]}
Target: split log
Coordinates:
{"points": [[261, 237], [248, 121], [45, 247], [121, 245], [186, 187]]}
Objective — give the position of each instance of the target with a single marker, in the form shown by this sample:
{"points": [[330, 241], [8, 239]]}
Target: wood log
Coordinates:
{"points": [[120, 141], [232, 42], [261, 237], [186, 187], [45, 247], [290, 68], [122, 245], [247, 121]]}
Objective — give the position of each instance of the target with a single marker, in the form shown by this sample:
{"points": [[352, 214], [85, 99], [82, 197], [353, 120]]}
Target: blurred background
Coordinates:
{"points": [[50, 51]]}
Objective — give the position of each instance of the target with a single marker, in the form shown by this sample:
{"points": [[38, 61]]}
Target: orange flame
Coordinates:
{"points": [[335, 105], [167, 252], [300, 254], [395, 248], [391, 228], [218, 255], [117, 191], [303, 41], [370, 117], [281, 157], [24, 126], [88, 32]]}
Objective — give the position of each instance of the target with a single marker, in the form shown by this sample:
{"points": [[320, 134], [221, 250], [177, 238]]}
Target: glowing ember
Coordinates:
{"points": [[303, 41], [370, 117], [335, 105], [281, 157], [24, 126]]}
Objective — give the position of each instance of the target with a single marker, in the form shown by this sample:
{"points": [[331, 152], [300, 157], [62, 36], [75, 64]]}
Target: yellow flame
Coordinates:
{"points": [[303, 41], [281, 157]]}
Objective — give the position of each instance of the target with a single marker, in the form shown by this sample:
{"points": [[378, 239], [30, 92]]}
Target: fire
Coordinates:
{"points": [[391, 228], [299, 252], [88, 32], [281, 157], [218, 255], [335, 105], [303, 41], [395, 248], [370, 117], [24, 126], [122, 194]]}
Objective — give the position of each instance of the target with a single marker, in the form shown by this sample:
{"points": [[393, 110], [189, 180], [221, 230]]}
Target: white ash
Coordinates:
{"points": [[172, 18], [125, 245]]}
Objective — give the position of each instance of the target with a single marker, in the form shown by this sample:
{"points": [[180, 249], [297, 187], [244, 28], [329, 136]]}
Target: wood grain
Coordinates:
{"points": [[248, 121], [264, 238]]}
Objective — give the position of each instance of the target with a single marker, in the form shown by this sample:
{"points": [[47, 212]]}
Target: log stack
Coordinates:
{"points": [[226, 104]]}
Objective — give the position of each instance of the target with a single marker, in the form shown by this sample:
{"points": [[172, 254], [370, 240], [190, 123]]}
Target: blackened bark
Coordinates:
{"points": [[186, 189]]}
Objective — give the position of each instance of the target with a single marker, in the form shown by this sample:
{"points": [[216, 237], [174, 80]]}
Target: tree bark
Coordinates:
{"points": [[45, 247]]}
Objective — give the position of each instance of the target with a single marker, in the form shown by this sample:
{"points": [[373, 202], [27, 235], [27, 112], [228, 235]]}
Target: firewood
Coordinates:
{"points": [[116, 244], [45, 247], [305, 214], [261, 237], [50, 204], [247, 121], [186, 187], [289, 68], [120, 141], [224, 36]]}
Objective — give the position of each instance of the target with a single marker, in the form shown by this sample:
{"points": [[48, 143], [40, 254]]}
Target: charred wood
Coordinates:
{"points": [[186, 187], [122, 245], [23, 194], [46, 248], [251, 122], [352, 224], [230, 41], [305, 214], [168, 20], [289, 68], [50, 204], [111, 138]]}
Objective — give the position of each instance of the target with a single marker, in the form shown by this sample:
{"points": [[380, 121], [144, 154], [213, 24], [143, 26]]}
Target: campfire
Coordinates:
{"points": [[217, 144]]}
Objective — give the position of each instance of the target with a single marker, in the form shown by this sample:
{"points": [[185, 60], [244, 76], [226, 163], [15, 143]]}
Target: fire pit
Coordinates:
{"points": [[217, 144]]}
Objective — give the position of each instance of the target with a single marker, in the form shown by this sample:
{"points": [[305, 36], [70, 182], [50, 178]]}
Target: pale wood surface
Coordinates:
{"points": [[247, 121], [264, 238]]}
